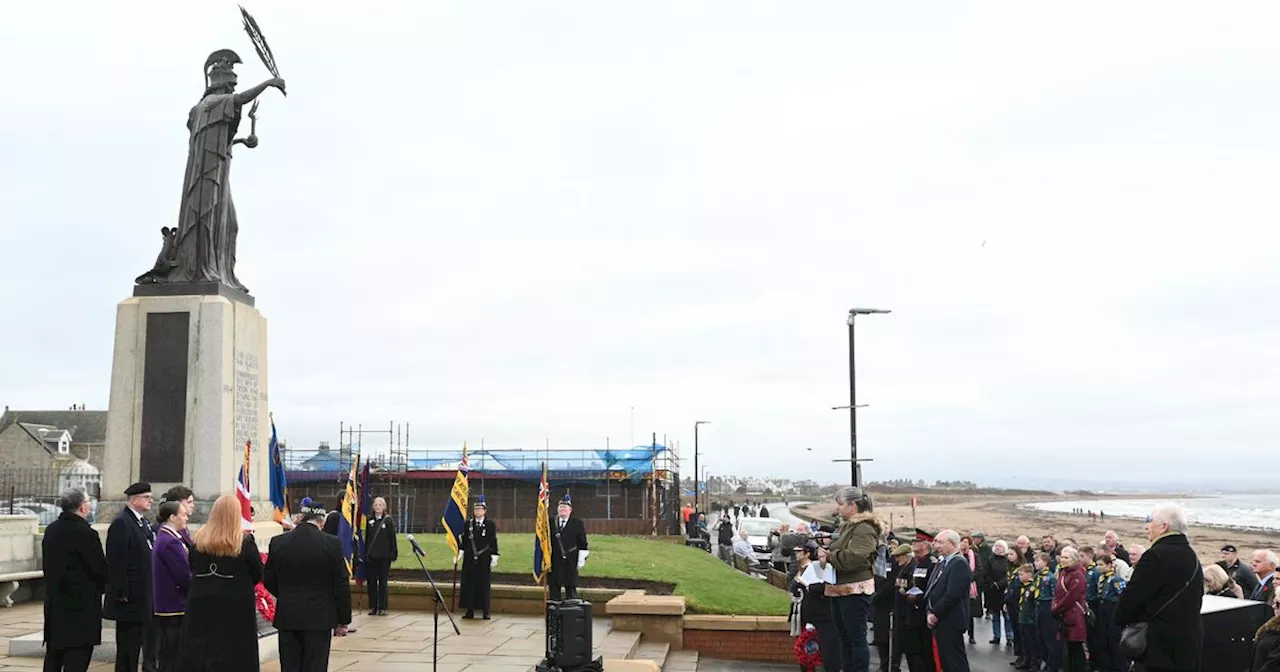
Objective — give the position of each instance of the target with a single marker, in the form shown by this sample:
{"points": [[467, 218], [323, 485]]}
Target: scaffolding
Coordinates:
{"points": [[401, 474]]}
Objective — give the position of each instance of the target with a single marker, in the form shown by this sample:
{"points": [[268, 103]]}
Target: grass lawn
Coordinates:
{"points": [[708, 585]]}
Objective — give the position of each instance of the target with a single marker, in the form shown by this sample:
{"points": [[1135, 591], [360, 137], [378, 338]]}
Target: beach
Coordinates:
{"points": [[1002, 517]]}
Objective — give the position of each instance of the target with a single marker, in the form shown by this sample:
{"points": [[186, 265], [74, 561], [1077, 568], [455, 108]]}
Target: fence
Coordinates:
{"points": [[27, 491]]}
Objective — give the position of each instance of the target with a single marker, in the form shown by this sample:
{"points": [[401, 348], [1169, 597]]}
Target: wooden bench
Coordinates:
{"points": [[9, 584]]}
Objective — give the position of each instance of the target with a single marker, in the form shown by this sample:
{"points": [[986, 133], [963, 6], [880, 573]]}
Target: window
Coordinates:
{"points": [[64, 444]]}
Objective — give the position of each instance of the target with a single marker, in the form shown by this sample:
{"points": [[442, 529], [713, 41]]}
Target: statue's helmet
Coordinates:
{"points": [[219, 68]]}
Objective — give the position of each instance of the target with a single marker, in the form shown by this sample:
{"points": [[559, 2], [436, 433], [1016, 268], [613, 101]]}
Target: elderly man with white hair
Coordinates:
{"points": [[947, 602], [1264, 565], [1165, 592]]}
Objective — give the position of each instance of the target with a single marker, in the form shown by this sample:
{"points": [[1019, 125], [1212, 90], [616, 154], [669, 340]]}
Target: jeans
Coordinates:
{"points": [[996, 619], [850, 614]]}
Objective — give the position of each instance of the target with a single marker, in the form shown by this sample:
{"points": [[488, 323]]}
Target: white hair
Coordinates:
{"points": [[1268, 556], [1022, 539], [1172, 515], [1069, 552], [1000, 543], [950, 535]]}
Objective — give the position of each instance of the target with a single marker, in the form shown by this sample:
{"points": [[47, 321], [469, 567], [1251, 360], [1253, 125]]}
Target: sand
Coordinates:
{"points": [[1000, 518]]}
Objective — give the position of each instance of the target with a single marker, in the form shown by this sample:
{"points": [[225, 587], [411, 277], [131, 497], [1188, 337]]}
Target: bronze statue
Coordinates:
{"points": [[202, 248]]}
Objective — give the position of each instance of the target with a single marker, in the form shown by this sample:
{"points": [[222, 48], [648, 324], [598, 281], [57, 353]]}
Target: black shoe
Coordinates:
{"points": [[994, 640], [485, 617], [373, 612], [1008, 644], [1018, 663], [973, 641], [469, 615]]}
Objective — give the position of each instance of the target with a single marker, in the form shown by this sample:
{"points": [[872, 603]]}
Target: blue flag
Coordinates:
{"points": [[362, 513], [347, 518], [279, 488]]}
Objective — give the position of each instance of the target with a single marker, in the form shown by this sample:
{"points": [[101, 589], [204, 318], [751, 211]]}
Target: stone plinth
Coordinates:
{"points": [[188, 388], [659, 618]]}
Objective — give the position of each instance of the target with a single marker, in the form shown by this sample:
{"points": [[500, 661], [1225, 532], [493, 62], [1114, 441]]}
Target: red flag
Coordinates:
{"points": [[914, 502]]}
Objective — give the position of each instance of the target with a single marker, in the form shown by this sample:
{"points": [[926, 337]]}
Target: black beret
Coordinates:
{"points": [[141, 488], [1229, 548]]}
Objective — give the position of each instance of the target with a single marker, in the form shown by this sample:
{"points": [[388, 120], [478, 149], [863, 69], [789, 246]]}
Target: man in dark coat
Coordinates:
{"points": [[75, 576], [911, 630], [568, 551], [1241, 572], [307, 573], [478, 547], [947, 601], [128, 599], [1168, 573]]}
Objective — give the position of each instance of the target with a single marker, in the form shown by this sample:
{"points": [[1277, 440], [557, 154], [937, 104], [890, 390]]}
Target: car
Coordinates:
{"points": [[758, 530]]}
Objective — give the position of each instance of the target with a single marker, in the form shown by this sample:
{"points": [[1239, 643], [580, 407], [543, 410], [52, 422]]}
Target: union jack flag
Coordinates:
{"points": [[242, 490]]}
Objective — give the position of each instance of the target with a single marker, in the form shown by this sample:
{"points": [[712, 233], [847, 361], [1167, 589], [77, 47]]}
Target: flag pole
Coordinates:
{"points": [[455, 583]]}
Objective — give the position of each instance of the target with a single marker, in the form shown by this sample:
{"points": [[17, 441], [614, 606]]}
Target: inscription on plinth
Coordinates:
{"points": [[164, 397], [246, 398]]}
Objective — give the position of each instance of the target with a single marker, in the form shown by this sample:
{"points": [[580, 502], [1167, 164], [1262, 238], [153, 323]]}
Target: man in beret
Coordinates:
{"points": [[1242, 573], [128, 599]]}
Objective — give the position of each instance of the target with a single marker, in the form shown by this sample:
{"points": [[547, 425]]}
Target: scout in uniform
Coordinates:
{"points": [[478, 547], [1110, 586], [1046, 625]]}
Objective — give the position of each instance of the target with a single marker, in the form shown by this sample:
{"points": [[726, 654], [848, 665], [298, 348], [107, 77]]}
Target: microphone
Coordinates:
{"points": [[417, 550]]}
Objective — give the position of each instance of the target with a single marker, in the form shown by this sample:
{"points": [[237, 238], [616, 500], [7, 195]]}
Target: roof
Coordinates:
{"points": [[84, 426]]}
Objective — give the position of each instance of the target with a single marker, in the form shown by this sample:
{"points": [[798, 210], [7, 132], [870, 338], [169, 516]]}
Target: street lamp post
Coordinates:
{"points": [[695, 459], [853, 394]]}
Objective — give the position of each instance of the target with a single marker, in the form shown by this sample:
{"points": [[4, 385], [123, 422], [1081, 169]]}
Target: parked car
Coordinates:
{"points": [[758, 530]]}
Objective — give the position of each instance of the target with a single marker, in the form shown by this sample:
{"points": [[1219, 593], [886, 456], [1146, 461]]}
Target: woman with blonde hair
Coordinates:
{"points": [[1216, 582], [220, 631]]}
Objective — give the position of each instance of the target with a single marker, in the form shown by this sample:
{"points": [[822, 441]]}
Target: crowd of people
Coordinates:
{"points": [[1060, 605], [189, 603]]}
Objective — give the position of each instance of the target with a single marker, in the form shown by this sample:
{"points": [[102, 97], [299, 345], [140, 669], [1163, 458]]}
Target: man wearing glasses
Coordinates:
{"points": [[128, 598]]}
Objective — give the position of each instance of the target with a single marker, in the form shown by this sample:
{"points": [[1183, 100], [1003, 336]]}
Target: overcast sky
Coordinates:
{"points": [[516, 221]]}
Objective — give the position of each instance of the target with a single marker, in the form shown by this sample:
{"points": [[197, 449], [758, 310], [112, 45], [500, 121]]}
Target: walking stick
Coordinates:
{"points": [[455, 583]]}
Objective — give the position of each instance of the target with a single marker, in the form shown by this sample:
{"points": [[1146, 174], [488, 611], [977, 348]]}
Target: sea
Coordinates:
{"points": [[1261, 512]]}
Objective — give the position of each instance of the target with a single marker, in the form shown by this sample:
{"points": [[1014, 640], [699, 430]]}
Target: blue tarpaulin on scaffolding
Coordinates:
{"points": [[633, 462]]}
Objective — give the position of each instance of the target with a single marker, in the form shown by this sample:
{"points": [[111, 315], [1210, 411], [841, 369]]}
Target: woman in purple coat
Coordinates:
{"points": [[170, 579]]}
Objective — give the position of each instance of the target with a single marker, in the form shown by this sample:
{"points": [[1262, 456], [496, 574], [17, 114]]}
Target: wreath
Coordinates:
{"points": [[264, 600], [807, 651]]}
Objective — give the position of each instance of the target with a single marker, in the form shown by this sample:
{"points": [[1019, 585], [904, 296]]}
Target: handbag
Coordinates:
{"points": [[1133, 637], [1090, 618]]}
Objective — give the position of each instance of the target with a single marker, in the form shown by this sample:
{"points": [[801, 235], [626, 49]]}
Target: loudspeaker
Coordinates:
{"points": [[569, 636], [1229, 625]]}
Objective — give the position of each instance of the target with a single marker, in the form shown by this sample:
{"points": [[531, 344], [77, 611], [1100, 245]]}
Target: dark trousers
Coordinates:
{"points": [[129, 636], [829, 645], [563, 576], [1109, 646], [850, 614], [68, 660], [169, 637], [1075, 661], [150, 647], [1030, 643], [1047, 634], [951, 650], [1093, 639], [376, 571], [304, 650]]}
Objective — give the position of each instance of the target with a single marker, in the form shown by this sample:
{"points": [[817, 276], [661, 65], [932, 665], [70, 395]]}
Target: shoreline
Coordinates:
{"points": [[1008, 517]]}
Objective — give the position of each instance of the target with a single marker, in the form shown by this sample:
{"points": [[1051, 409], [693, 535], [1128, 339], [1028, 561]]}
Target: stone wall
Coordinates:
{"points": [[19, 451]]}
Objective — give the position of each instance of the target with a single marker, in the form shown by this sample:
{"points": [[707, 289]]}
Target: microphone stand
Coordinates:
{"points": [[435, 639]]}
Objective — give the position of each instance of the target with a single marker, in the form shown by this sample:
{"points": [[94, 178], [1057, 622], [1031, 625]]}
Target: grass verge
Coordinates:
{"points": [[708, 585]]}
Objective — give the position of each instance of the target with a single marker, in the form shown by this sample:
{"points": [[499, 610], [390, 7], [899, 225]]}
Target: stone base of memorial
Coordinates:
{"points": [[188, 389]]}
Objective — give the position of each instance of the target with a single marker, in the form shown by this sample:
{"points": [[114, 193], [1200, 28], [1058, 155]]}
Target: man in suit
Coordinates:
{"points": [[568, 551], [307, 573], [947, 602], [1264, 568], [128, 600], [75, 575], [1165, 592]]}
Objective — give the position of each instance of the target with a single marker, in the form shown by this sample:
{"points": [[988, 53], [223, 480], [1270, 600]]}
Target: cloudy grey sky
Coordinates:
{"points": [[515, 221]]}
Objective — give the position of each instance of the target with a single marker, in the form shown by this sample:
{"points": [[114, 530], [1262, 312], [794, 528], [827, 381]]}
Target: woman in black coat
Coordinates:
{"points": [[75, 576], [380, 550], [220, 629], [996, 585], [1266, 645]]}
